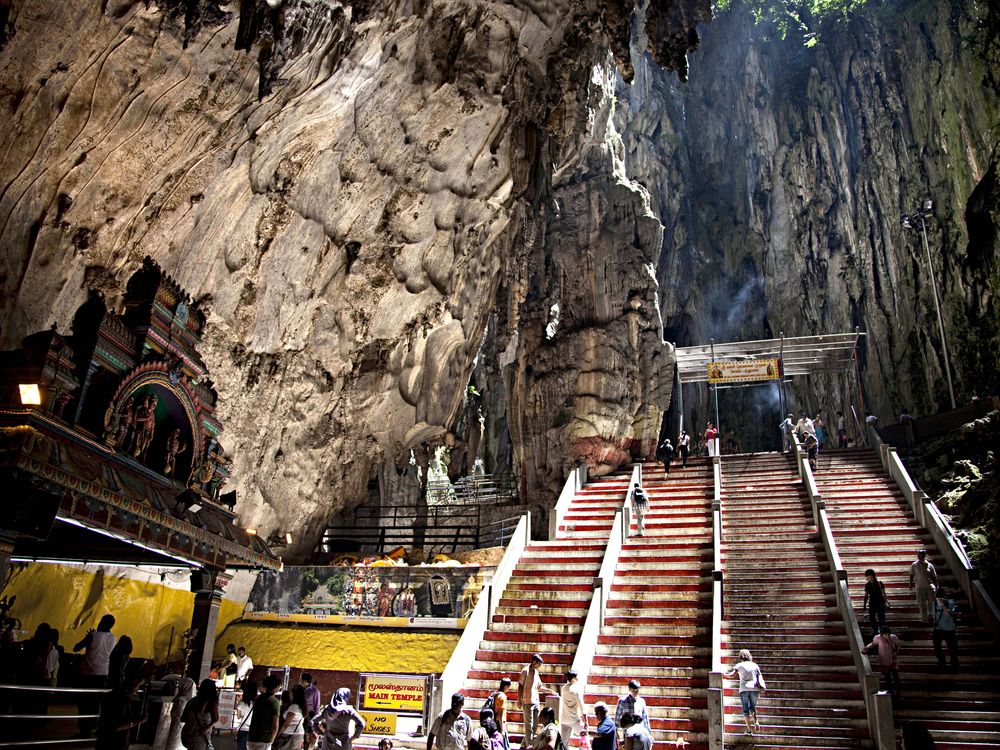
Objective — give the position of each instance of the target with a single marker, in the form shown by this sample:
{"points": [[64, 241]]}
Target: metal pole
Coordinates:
{"points": [[718, 425], [680, 404], [937, 306]]}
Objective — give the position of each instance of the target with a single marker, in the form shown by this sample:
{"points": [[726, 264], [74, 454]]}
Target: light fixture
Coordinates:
{"points": [[279, 539], [30, 394], [918, 221], [251, 530]]}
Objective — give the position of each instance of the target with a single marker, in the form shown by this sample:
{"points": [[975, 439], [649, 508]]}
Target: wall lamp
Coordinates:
{"points": [[278, 539], [31, 394]]}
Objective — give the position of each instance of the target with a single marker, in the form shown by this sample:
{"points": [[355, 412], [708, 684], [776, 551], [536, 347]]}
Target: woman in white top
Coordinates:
{"points": [[292, 733], [751, 683]]}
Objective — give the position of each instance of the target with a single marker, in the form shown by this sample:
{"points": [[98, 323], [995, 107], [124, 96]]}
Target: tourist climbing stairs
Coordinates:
{"points": [[780, 604], [659, 614], [874, 527], [545, 603]]}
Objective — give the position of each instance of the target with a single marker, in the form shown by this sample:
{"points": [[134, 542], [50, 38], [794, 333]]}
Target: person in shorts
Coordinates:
{"points": [[751, 685]]}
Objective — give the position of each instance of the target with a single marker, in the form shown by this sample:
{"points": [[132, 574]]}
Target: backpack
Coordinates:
{"points": [[488, 706]]}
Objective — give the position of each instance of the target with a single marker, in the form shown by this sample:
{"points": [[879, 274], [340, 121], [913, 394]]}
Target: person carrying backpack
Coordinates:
{"points": [[497, 703]]}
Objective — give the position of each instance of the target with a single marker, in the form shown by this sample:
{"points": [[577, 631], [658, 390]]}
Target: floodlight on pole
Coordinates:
{"points": [[918, 220]]}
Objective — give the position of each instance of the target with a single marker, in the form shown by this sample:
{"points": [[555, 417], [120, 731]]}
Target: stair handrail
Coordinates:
{"points": [[878, 704], [520, 539], [587, 645], [575, 481], [593, 622], [460, 663], [951, 548], [716, 696]]}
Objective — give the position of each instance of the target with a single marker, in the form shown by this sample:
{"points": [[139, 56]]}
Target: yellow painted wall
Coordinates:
{"points": [[354, 650], [73, 599]]}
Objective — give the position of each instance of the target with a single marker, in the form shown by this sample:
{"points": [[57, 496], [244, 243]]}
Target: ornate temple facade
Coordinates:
{"points": [[109, 446]]}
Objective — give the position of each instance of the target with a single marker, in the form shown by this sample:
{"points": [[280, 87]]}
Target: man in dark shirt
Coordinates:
{"points": [[264, 721], [313, 702]]}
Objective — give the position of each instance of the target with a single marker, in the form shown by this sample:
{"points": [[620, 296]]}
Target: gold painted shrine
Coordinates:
{"points": [[109, 441]]}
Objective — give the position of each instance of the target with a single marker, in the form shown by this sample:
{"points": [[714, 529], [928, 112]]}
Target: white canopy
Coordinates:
{"points": [[801, 355]]}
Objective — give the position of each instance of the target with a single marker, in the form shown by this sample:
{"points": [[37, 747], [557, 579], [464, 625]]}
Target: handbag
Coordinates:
{"points": [[285, 742]]}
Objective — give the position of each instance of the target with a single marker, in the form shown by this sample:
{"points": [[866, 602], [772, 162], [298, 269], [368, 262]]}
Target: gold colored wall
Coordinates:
{"points": [[73, 599], [335, 648]]}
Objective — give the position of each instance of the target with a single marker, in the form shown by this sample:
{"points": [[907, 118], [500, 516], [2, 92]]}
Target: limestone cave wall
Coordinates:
{"points": [[377, 204], [779, 173]]}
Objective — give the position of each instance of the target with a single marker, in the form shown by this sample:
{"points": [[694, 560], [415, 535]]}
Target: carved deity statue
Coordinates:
{"points": [[145, 425], [118, 425], [174, 448]]}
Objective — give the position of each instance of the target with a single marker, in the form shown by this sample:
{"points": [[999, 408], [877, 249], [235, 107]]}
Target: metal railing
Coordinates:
{"points": [[597, 611], [952, 550], [499, 533], [576, 480], [21, 727], [447, 538], [716, 694], [460, 663], [490, 489]]}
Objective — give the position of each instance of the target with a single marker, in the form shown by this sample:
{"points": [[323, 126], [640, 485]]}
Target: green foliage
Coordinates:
{"points": [[803, 17], [336, 582], [309, 582]]}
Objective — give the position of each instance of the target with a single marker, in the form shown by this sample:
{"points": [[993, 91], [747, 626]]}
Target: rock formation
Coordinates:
{"points": [[780, 172], [355, 192], [417, 223]]}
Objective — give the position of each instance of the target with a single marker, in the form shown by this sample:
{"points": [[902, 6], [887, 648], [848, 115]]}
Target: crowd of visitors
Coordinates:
{"points": [[543, 728], [935, 608]]}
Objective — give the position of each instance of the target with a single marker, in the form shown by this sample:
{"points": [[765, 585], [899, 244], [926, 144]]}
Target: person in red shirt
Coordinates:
{"points": [[710, 435], [886, 645]]}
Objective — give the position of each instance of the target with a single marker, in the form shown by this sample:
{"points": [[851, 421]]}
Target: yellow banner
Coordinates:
{"points": [[743, 371], [377, 722], [393, 693]]}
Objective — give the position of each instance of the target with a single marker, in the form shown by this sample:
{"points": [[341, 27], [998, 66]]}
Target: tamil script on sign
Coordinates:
{"points": [[744, 371], [394, 693]]}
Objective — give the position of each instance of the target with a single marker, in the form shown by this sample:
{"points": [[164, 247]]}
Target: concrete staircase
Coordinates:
{"points": [[874, 527], [545, 602], [659, 614], [780, 603]]}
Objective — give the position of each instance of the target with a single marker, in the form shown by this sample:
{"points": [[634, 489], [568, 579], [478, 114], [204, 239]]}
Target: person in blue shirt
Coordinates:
{"points": [[945, 626], [606, 736]]}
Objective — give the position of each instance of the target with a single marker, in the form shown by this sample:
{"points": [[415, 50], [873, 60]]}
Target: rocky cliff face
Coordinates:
{"points": [[417, 223], [373, 201], [780, 173]]}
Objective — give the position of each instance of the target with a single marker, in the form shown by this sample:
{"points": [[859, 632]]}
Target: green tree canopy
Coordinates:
{"points": [[805, 17]]}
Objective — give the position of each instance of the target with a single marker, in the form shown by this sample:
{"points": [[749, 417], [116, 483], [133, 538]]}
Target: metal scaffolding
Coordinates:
{"points": [[800, 355]]}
